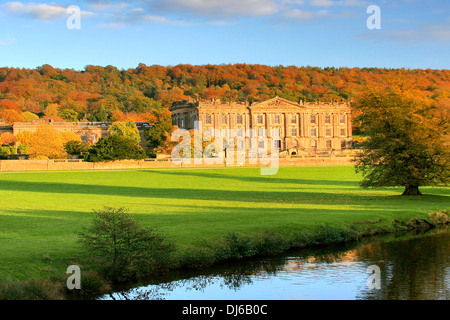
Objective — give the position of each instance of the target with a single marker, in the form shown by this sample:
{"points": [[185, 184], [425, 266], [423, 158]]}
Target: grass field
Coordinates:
{"points": [[41, 211]]}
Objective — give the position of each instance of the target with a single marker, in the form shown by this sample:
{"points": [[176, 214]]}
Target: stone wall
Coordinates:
{"points": [[61, 165]]}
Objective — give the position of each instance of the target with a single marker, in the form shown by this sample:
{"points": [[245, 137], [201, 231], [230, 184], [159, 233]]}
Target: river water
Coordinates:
{"points": [[393, 267]]}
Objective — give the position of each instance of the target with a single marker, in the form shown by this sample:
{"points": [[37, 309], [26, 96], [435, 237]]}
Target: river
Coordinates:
{"points": [[391, 267]]}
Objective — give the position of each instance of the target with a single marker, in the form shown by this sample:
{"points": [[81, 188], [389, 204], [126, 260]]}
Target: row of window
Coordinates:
{"points": [[276, 119], [277, 132], [262, 144]]}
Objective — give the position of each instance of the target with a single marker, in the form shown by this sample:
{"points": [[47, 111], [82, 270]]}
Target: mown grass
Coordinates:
{"points": [[41, 211]]}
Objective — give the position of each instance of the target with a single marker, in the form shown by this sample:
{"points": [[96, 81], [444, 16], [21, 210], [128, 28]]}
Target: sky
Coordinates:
{"points": [[323, 33]]}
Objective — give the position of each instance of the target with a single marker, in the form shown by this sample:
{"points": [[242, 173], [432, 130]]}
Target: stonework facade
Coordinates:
{"points": [[292, 127], [89, 132]]}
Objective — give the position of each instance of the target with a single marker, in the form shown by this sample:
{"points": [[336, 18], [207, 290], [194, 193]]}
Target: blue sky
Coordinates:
{"points": [[413, 34]]}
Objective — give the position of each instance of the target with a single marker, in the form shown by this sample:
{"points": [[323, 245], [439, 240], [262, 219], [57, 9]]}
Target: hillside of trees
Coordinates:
{"points": [[146, 92]]}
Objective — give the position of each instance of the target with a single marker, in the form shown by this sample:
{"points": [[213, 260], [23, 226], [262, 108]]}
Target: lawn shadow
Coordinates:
{"points": [[257, 179], [295, 196]]}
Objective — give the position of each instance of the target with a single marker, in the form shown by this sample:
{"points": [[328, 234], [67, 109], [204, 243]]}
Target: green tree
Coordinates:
{"points": [[69, 115], [406, 132], [75, 147], [120, 247], [115, 147], [158, 136], [126, 129]]}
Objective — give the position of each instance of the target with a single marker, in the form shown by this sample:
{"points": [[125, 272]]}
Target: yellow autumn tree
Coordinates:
{"points": [[69, 136], [44, 143]]}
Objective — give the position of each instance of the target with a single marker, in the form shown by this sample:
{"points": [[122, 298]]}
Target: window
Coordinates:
{"points": [[276, 119], [342, 132], [327, 118], [260, 118], [343, 144], [239, 132], [181, 123], [208, 119], [328, 132], [276, 132], [224, 119], [313, 132], [313, 118], [239, 119], [261, 132], [342, 119], [313, 144], [277, 144], [294, 132], [261, 144], [240, 144], [328, 143], [293, 119]]}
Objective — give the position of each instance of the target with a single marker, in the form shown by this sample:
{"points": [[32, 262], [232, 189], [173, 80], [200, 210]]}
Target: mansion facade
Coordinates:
{"points": [[292, 127]]}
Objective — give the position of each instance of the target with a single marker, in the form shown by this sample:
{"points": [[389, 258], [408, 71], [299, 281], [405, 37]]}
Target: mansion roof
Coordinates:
{"points": [[268, 105]]}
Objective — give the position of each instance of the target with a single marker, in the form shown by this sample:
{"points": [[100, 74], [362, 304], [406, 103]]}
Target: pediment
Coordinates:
{"points": [[276, 103]]}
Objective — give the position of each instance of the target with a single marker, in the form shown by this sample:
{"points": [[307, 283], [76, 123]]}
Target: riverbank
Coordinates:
{"points": [[232, 247], [210, 215]]}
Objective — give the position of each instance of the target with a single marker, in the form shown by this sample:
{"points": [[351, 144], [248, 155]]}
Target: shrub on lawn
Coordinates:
{"points": [[121, 248]]}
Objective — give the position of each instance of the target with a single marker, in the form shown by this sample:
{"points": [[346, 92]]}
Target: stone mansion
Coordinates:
{"points": [[292, 127]]}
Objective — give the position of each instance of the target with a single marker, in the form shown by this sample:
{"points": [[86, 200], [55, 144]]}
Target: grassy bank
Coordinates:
{"points": [[40, 212]]}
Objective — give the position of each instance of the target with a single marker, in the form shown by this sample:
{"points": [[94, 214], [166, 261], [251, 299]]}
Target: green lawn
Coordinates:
{"points": [[41, 211]]}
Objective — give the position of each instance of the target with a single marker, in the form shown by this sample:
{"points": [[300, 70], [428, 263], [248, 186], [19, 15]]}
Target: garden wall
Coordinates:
{"points": [[52, 165]]}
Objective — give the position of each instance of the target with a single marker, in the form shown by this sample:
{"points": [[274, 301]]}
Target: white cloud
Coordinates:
{"points": [[217, 8], [39, 11], [329, 3], [102, 7], [423, 34], [138, 16], [300, 15]]}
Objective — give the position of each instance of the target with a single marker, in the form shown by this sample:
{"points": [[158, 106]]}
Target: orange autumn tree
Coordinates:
{"points": [[46, 142], [10, 116], [7, 139]]}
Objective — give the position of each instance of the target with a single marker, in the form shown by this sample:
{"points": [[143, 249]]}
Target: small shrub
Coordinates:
{"points": [[301, 239], [270, 243], [198, 257], [120, 248], [236, 246], [327, 234]]}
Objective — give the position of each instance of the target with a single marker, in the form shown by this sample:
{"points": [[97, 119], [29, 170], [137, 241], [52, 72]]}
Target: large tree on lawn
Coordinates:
{"points": [[407, 133]]}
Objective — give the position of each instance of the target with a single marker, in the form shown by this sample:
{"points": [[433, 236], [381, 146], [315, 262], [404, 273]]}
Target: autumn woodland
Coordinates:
{"points": [[146, 92]]}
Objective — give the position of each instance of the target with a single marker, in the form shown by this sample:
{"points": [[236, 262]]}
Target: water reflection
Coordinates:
{"points": [[412, 267]]}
